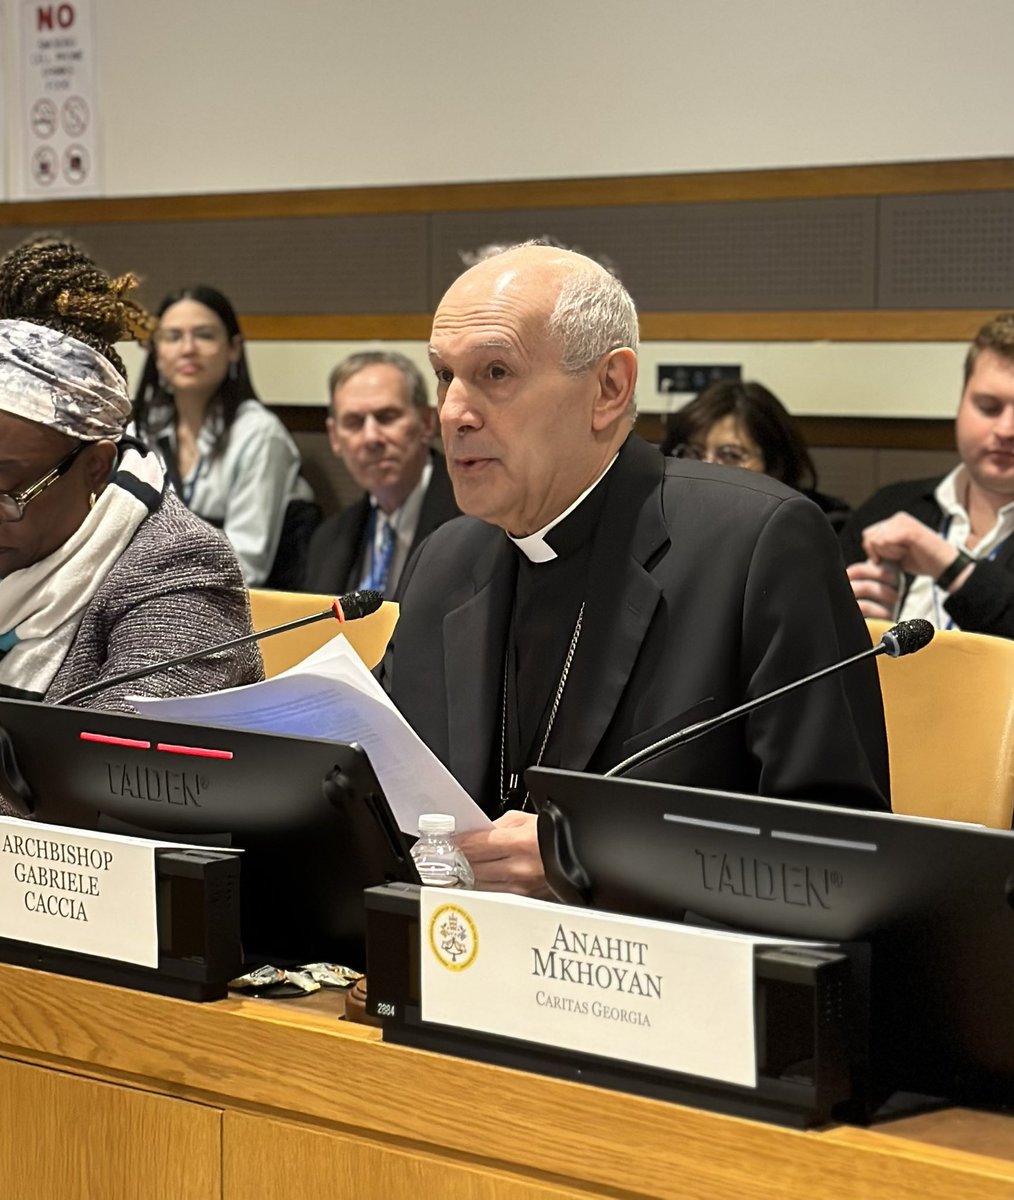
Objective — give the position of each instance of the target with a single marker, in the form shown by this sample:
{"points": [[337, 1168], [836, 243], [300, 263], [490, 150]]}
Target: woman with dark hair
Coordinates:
{"points": [[230, 459], [102, 569], [742, 424]]}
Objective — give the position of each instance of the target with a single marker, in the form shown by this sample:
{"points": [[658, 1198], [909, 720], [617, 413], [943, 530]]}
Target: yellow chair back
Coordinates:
{"points": [[950, 727], [368, 636]]}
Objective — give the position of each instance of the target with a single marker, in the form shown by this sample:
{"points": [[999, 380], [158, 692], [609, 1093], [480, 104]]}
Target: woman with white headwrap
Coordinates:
{"points": [[102, 569]]}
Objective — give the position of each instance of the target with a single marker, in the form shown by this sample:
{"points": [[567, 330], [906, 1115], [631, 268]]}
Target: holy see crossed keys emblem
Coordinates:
{"points": [[453, 937]]}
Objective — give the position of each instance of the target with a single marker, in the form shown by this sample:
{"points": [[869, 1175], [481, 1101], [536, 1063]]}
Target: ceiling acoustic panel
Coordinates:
{"points": [[757, 255], [949, 251]]}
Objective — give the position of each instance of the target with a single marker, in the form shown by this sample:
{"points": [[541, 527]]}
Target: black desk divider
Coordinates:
{"points": [[811, 1022], [310, 816], [915, 996], [197, 909], [933, 900]]}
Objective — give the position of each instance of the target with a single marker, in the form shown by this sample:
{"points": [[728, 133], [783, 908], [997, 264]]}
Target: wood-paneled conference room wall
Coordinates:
{"points": [[849, 290]]}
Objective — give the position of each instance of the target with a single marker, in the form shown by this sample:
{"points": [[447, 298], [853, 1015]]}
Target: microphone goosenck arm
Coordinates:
{"points": [[344, 608], [904, 638]]}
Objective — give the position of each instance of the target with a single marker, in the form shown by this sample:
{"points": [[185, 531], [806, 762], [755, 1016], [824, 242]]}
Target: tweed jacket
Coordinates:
{"points": [[176, 588]]}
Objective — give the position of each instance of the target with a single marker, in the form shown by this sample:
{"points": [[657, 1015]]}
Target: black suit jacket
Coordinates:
{"points": [[337, 547], [985, 601], [706, 586]]}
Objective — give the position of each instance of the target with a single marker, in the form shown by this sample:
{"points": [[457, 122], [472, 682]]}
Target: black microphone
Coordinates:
{"points": [[904, 638], [349, 607]]}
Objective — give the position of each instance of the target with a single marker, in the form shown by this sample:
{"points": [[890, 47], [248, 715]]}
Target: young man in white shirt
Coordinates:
{"points": [[943, 549]]}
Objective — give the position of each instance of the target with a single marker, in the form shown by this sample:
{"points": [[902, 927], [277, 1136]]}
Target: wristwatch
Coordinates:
{"points": [[948, 575]]}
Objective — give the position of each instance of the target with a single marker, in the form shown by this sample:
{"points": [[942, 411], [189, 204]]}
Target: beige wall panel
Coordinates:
{"points": [[325, 94], [853, 473], [876, 379], [868, 379], [68, 1138]]}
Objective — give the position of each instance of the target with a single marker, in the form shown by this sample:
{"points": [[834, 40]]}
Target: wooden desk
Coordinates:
{"points": [[107, 1094]]}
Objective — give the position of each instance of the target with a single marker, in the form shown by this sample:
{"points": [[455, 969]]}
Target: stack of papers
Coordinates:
{"points": [[331, 696]]}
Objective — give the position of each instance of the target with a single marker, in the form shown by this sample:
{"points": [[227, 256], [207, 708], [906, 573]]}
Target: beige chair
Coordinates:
{"points": [[368, 636], [950, 727]]}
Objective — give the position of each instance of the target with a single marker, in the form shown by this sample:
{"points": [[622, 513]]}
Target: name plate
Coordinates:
{"points": [[661, 995], [93, 893]]}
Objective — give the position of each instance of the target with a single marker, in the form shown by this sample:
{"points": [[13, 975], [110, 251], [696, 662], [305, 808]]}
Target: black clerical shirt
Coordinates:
{"points": [[547, 600]]}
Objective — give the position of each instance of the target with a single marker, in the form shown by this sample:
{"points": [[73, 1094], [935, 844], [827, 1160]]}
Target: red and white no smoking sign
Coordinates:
{"points": [[56, 75]]}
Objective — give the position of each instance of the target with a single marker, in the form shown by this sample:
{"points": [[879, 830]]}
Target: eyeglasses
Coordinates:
{"points": [[203, 333], [13, 504], [726, 456]]}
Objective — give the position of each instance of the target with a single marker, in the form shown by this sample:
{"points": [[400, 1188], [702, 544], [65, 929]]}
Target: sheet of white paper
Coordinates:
{"points": [[331, 696]]}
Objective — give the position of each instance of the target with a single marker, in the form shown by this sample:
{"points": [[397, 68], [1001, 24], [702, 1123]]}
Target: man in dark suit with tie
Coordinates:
{"points": [[381, 426], [598, 595]]}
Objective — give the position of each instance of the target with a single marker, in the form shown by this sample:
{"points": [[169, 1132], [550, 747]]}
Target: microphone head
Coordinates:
{"points": [[354, 605], [907, 636]]}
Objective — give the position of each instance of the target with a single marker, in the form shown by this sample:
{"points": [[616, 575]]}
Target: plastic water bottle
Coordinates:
{"points": [[439, 862]]}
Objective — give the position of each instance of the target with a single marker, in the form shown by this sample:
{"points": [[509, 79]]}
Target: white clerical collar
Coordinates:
{"points": [[534, 545]]}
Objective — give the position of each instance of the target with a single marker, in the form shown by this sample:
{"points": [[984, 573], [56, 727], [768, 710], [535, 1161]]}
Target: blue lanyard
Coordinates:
{"points": [[187, 485]]}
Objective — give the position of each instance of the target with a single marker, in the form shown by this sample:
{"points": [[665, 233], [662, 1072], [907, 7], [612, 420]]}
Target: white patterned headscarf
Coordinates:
{"points": [[53, 379]]}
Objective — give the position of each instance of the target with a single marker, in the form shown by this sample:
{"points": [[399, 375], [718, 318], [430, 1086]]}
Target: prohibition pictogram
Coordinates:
{"points": [[44, 165], [43, 118], [75, 115], [75, 164]]}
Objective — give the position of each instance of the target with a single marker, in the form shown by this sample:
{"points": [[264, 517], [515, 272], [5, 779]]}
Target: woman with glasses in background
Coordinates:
{"points": [[739, 424], [102, 569], [230, 459]]}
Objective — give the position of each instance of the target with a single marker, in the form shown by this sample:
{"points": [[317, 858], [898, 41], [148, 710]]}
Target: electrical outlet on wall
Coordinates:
{"points": [[680, 377]]}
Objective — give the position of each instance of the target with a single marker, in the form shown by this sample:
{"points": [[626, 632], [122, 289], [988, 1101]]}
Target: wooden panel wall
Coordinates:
{"points": [[919, 251]]}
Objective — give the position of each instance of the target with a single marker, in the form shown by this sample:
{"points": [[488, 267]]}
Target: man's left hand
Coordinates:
{"points": [[916, 548], [506, 858]]}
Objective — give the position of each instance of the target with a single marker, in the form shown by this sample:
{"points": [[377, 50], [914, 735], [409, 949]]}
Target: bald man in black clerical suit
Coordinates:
{"points": [[599, 595]]}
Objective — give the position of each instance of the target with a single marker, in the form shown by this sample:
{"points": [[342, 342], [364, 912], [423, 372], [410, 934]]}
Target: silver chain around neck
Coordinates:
{"points": [[552, 712]]}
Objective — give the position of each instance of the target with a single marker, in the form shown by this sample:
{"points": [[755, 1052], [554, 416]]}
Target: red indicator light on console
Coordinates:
{"points": [[106, 739], [195, 751]]}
